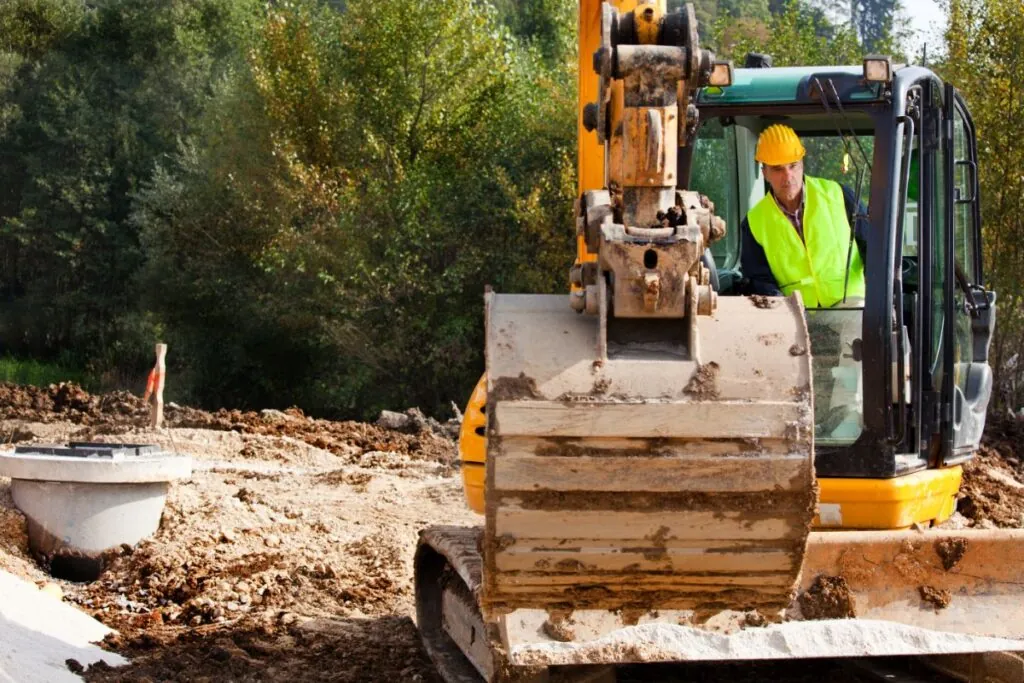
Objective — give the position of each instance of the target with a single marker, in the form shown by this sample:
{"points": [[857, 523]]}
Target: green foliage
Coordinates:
{"points": [[334, 223], [100, 96], [31, 371], [797, 36], [797, 32], [874, 20], [547, 25], [710, 12], [31, 28], [305, 199], [984, 62]]}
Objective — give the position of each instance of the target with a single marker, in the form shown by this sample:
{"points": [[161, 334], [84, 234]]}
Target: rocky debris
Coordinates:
{"points": [[121, 412], [992, 493], [704, 383], [413, 421], [828, 597], [939, 598]]}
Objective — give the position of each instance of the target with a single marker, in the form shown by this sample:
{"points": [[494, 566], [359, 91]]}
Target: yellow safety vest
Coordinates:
{"points": [[818, 267]]}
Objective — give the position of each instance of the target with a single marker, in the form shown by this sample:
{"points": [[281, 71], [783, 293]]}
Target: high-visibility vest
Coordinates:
{"points": [[816, 265]]}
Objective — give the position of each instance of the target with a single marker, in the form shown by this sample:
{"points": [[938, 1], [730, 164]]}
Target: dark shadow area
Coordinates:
{"points": [[384, 650]]}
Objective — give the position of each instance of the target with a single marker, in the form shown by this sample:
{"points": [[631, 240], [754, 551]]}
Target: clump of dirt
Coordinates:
{"points": [[513, 388], [992, 493], [559, 627], [828, 597], [937, 597], [754, 619], [762, 301], [950, 551], [704, 383], [13, 529]]}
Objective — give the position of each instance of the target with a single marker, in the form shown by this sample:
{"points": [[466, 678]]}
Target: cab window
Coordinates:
{"points": [[714, 174]]}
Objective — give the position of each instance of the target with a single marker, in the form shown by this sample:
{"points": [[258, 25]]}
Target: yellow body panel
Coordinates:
{"points": [[897, 503], [473, 446]]}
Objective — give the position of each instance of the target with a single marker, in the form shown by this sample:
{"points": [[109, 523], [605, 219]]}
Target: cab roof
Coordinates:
{"points": [[792, 85]]}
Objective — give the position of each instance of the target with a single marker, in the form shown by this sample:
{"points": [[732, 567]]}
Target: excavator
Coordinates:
{"points": [[671, 469]]}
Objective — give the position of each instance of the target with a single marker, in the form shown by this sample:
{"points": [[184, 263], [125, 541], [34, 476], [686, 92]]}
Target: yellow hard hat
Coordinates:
{"points": [[778, 146]]}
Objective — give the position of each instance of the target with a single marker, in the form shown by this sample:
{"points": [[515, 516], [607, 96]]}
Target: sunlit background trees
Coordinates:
{"points": [[306, 199]]}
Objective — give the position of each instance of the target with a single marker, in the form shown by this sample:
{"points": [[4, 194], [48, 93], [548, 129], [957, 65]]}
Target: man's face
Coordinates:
{"points": [[786, 180]]}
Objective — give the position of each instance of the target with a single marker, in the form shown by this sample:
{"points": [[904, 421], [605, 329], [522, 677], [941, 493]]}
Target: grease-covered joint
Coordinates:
{"points": [[667, 61]]}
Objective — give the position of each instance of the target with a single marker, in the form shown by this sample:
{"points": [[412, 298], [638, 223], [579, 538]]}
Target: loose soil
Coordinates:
{"points": [[937, 597], [828, 598], [288, 554], [992, 494]]}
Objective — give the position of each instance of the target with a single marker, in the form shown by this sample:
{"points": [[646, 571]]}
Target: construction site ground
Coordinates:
{"points": [[288, 554]]}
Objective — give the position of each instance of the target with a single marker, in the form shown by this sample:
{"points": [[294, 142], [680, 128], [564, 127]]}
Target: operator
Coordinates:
{"points": [[797, 238]]}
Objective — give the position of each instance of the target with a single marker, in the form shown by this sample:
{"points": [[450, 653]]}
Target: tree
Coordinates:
{"points": [[547, 25], [873, 20], [797, 36], [349, 196], [984, 61], [104, 93]]}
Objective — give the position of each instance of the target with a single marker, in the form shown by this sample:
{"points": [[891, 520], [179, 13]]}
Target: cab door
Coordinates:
{"points": [[969, 307]]}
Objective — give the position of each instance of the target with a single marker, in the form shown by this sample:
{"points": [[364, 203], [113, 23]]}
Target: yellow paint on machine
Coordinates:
{"points": [[473, 447], [897, 503]]}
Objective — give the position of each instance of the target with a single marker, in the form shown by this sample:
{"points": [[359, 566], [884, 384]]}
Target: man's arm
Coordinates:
{"points": [[754, 264]]}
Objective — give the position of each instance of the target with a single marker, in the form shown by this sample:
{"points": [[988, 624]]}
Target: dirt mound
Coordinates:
{"points": [[287, 555], [121, 412], [384, 649], [992, 493]]}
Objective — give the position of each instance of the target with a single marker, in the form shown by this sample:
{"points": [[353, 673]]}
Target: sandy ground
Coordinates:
{"points": [[288, 554]]}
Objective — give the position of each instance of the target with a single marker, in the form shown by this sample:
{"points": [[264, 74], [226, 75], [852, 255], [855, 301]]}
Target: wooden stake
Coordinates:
{"points": [[156, 413]]}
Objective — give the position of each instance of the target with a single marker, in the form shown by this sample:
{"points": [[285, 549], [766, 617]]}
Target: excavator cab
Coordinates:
{"points": [[891, 423]]}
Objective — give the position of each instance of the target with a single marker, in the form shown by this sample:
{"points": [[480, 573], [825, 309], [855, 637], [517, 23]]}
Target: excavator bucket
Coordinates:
{"points": [[652, 476], [651, 502]]}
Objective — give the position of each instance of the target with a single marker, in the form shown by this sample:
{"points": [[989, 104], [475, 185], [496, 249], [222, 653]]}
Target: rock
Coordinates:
{"points": [[272, 541], [228, 536], [398, 422], [271, 415]]}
